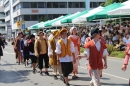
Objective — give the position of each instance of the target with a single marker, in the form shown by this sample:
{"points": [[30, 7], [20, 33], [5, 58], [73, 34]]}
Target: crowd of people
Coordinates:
{"points": [[61, 50]]}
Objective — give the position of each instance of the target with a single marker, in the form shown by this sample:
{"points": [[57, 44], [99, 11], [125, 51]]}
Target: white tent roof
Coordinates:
{"points": [[124, 10], [58, 23], [83, 17]]}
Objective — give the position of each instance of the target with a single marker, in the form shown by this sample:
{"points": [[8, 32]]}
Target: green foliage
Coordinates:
{"points": [[108, 2], [43, 19], [118, 54], [110, 48], [102, 4], [81, 49]]}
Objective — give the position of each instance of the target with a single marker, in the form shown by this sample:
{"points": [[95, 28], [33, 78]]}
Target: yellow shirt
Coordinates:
{"points": [[43, 47]]}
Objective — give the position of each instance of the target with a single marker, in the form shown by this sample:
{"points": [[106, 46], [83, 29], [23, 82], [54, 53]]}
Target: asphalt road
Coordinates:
{"points": [[12, 74]]}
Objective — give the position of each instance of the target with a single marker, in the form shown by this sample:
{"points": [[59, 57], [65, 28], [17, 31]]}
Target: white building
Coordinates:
{"points": [[3, 25], [32, 10]]}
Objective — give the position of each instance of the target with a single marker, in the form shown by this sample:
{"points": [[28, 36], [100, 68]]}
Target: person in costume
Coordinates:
{"points": [[127, 56], [53, 55], [41, 52], [17, 47], [65, 54], [32, 53], [95, 64], [76, 41]]}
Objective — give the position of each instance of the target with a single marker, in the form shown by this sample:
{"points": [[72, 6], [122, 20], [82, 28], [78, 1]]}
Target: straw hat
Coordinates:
{"points": [[63, 30], [55, 33]]}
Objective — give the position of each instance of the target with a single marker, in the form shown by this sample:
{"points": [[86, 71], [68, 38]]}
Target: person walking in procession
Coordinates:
{"points": [[24, 49], [17, 47], [32, 53], [1, 46], [95, 64], [53, 55], [41, 52], [76, 41], [66, 56]]}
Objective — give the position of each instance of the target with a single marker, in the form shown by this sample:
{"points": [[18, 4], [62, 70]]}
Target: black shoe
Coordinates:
{"points": [[62, 78], [18, 63], [67, 84], [34, 71], [41, 74], [55, 77], [47, 73]]}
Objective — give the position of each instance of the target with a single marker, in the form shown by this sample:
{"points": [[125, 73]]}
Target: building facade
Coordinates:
{"points": [[3, 25], [31, 11]]}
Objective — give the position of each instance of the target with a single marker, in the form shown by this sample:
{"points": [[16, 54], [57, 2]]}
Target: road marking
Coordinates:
{"points": [[8, 53], [108, 74]]}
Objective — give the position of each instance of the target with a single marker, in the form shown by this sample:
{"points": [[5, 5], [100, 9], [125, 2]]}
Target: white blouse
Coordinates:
{"points": [[98, 46], [67, 58], [50, 49]]}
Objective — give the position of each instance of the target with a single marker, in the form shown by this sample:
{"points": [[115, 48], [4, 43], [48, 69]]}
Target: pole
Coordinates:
{"points": [[46, 10], [11, 19], [87, 4], [67, 7]]}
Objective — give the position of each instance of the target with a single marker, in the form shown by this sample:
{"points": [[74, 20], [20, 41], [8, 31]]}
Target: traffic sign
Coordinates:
{"points": [[8, 26], [18, 23], [23, 26]]}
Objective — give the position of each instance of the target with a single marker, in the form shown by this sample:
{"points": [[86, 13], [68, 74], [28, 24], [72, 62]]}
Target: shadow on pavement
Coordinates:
{"points": [[82, 79], [8, 64], [13, 76], [114, 84]]}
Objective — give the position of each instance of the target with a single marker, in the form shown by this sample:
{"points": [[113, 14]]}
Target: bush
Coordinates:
{"points": [[118, 54], [110, 48], [81, 49]]}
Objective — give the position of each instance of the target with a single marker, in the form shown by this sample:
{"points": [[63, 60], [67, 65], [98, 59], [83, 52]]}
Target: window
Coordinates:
{"points": [[55, 4], [16, 19], [2, 28], [94, 4], [14, 1], [41, 4], [18, 6], [70, 4], [26, 5], [7, 4], [76, 4], [49, 5], [2, 14], [27, 17], [33, 4], [82, 5], [91, 5], [55, 15], [62, 4], [34, 18], [7, 13], [50, 16]]}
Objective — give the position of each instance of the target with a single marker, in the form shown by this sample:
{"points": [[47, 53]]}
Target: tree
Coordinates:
{"points": [[43, 19], [108, 2]]}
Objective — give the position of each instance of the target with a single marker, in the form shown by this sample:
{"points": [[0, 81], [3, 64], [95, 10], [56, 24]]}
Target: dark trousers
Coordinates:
{"points": [[67, 68], [46, 60]]}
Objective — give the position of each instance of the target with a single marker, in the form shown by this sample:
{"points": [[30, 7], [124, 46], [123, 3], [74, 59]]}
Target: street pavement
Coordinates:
{"points": [[12, 74]]}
